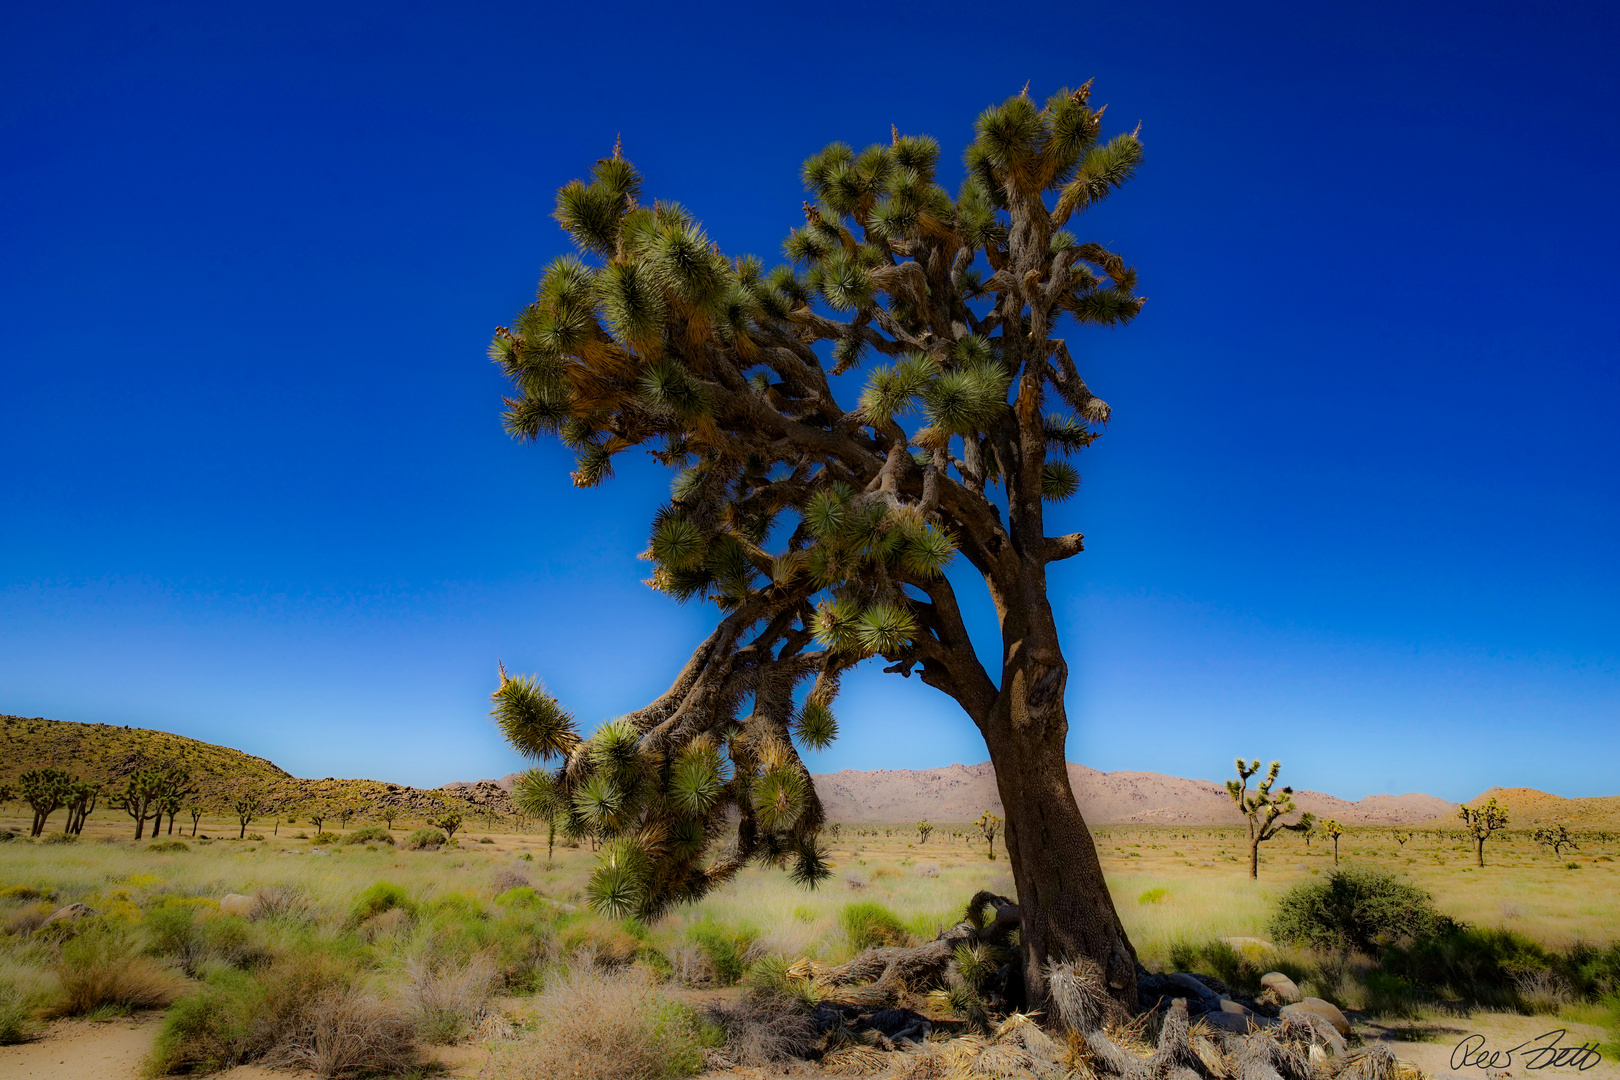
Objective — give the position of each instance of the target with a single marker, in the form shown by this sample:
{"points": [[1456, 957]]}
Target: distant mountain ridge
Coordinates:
{"points": [[961, 792]]}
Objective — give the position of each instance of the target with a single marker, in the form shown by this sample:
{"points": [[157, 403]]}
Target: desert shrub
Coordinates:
{"points": [[604, 1025], [170, 845], [606, 943], [508, 878], [868, 924], [254, 836], [370, 834], [1153, 896], [344, 1029], [448, 997], [765, 1027], [176, 930], [1237, 969], [1357, 907], [325, 838], [20, 998], [26, 892], [425, 838], [102, 966], [207, 1031], [286, 902], [60, 838], [728, 948], [485, 840], [1502, 969], [29, 919], [380, 898]]}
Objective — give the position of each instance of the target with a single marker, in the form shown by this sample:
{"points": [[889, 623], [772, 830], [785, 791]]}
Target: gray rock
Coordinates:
{"points": [[1234, 1009], [69, 913], [1237, 1023], [1193, 986], [1324, 1009], [1281, 987]]}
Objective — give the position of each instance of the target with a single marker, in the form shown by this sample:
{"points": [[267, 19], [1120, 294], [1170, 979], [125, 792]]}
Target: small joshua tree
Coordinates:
{"points": [[1264, 808], [316, 818], [1556, 837], [1334, 830], [196, 813], [1480, 822], [834, 831], [1401, 838], [989, 824], [923, 829], [388, 814], [343, 815], [247, 808], [449, 822]]}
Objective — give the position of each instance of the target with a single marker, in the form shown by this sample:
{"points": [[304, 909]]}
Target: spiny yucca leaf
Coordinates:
{"points": [[667, 385], [779, 798], [967, 400], [678, 544], [810, 866], [838, 624], [538, 793], [815, 726], [885, 628], [1067, 434], [694, 786], [927, 552], [615, 891], [825, 513], [531, 719], [1059, 480], [616, 748], [599, 802], [632, 302]]}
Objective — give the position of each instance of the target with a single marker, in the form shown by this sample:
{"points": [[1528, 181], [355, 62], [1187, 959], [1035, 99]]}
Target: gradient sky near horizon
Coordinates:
{"points": [[1356, 508]]}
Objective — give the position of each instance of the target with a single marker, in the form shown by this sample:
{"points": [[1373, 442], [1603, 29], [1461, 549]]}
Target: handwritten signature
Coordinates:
{"points": [[1541, 1052]]}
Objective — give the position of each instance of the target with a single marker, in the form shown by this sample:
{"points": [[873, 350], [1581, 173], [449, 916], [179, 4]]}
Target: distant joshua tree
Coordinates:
{"points": [[316, 817], [1556, 837], [834, 830], [1401, 838], [989, 824], [1334, 831], [1481, 822], [343, 816], [1264, 808], [247, 808], [196, 813], [449, 822], [923, 829], [388, 814]]}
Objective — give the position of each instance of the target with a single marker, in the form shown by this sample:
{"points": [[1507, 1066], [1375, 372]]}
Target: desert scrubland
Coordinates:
{"points": [[362, 953]]}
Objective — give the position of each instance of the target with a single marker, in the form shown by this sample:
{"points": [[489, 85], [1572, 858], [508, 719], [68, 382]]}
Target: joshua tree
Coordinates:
{"points": [[1401, 838], [316, 817], [540, 794], [46, 791], [1334, 830], [988, 824], [343, 815], [388, 814], [247, 807], [1264, 809], [1481, 822], [449, 822], [959, 443], [140, 799], [923, 829], [83, 795], [196, 813], [1556, 837], [833, 831]]}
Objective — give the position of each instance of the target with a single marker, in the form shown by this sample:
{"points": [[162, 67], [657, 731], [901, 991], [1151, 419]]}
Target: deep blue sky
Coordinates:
{"points": [[1356, 509]]}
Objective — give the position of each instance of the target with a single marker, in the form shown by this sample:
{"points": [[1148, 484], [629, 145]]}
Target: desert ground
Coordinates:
{"points": [[479, 953]]}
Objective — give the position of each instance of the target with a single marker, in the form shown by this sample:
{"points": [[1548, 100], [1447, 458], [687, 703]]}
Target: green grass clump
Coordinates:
{"points": [[325, 838], [370, 834], [381, 897], [522, 896], [726, 946], [101, 970], [868, 924], [1153, 896], [425, 838], [168, 845]]}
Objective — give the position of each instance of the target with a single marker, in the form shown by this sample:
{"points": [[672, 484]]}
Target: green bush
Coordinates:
{"points": [[522, 896], [379, 898], [1504, 970], [325, 838], [425, 838], [371, 834], [1152, 896], [870, 924], [60, 838], [169, 845], [726, 947], [207, 1031], [17, 1008], [1358, 907]]}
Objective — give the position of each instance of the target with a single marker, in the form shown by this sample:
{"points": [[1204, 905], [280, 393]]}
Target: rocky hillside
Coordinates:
{"points": [[108, 753], [960, 792]]}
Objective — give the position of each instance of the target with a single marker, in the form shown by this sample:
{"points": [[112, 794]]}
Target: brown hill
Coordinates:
{"points": [[1528, 809], [960, 792], [109, 753]]}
